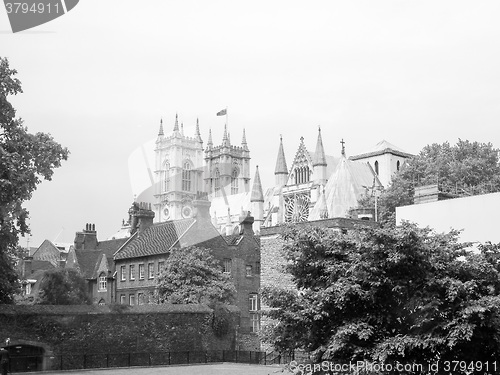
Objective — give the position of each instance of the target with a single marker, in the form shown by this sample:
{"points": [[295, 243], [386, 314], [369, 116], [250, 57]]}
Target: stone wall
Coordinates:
{"points": [[115, 329]]}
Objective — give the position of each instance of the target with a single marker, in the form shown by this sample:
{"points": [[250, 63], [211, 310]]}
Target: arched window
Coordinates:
{"points": [[376, 167], [102, 302], [186, 177], [234, 182], [103, 282], [217, 183], [166, 177], [397, 166]]}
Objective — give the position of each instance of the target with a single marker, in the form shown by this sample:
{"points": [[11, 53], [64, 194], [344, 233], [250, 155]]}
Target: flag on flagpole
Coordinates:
{"points": [[222, 113]]}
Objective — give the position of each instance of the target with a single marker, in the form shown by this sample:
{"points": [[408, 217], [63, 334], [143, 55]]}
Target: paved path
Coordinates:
{"points": [[210, 369]]}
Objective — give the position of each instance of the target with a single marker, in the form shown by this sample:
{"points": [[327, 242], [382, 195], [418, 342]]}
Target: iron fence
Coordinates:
{"points": [[77, 361]]}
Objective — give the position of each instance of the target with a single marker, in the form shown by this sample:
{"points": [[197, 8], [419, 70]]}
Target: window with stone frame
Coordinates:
{"points": [[131, 299], [297, 207], [103, 282], [234, 182], [254, 311], [140, 298], [132, 272], [186, 176], [141, 272], [123, 299], [217, 183], [123, 273], [227, 265], [151, 270], [248, 270]]}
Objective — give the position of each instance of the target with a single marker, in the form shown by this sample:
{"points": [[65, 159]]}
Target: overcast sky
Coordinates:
{"points": [[100, 78]]}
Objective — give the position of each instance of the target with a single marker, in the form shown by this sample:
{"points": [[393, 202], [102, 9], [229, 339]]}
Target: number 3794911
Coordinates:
{"points": [[32, 8]]}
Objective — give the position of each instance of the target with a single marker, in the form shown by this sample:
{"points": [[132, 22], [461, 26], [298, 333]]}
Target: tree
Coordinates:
{"points": [[193, 275], [387, 294], [25, 159], [62, 287], [467, 168]]}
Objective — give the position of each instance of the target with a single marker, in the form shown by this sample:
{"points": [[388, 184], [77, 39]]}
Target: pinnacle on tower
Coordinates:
{"points": [[209, 142], [160, 132], [176, 126], [197, 132], [244, 140], [319, 153], [257, 194], [281, 167], [225, 138]]}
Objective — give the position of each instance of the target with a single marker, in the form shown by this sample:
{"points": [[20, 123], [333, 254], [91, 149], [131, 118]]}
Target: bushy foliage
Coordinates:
{"points": [[388, 294], [62, 287], [193, 275], [25, 159], [467, 168]]}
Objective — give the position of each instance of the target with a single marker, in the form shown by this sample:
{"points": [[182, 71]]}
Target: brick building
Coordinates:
{"points": [[141, 258], [94, 261]]}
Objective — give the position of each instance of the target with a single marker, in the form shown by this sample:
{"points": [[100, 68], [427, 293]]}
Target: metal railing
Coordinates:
{"points": [[77, 361]]}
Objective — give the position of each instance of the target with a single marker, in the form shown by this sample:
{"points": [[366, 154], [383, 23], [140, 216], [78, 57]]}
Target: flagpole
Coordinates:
{"points": [[227, 118]]}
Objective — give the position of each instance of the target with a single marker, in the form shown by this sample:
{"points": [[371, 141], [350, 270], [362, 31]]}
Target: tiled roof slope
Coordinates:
{"points": [[157, 239], [87, 260]]}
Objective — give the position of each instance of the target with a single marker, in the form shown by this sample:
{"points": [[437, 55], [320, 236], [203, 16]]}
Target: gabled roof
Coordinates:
{"points": [[155, 240], [383, 147], [87, 260]]}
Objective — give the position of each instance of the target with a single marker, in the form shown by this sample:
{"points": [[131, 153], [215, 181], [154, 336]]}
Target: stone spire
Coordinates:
{"points": [[281, 167], [257, 202], [197, 132], [160, 133], [257, 194], [209, 142], [319, 153], [176, 126], [225, 138], [244, 140]]}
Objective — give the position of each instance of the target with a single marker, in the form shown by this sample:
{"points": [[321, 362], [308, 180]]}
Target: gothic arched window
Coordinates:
{"points": [[186, 177], [234, 182], [217, 183], [166, 177], [376, 167], [398, 165]]}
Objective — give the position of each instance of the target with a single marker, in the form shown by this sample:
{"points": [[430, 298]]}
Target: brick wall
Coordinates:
{"points": [[115, 329]]}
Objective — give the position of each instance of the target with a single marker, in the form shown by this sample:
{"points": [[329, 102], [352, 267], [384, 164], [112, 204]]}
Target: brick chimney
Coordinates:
{"points": [[87, 238], [246, 223], [27, 266], [201, 207], [141, 217]]}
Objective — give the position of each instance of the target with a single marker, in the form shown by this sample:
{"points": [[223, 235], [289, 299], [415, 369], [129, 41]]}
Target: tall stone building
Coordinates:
{"points": [[319, 186], [178, 172]]}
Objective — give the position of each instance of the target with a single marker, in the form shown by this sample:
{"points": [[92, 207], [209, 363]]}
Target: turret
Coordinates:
{"points": [[319, 162], [257, 201], [281, 170]]}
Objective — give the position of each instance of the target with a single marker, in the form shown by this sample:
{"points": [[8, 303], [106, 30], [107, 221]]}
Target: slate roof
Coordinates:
{"points": [[155, 240], [383, 147], [87, 260], [44, 265]]}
